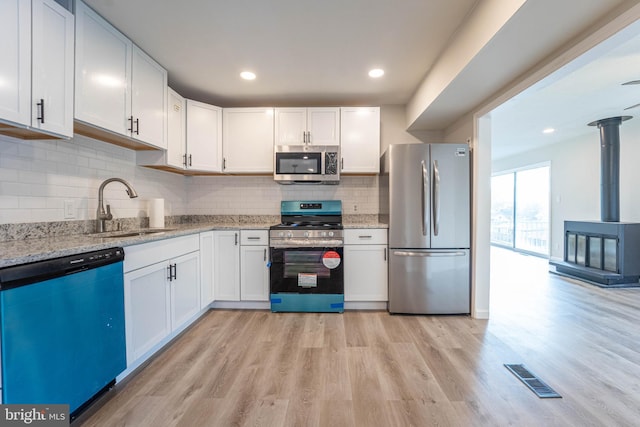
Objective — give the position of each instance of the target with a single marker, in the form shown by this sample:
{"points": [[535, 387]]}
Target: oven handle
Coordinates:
{"points": [[306, 244]]}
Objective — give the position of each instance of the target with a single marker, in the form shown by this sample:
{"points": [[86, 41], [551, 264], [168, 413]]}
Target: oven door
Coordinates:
{"points": [[307, 270], [307, 279]]}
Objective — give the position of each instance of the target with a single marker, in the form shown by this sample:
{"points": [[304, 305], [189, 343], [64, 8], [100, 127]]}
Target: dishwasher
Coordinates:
{"points": [[62, 329]]}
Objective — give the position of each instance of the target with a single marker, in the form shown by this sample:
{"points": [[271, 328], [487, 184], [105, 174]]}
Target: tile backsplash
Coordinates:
{"points": [[38, 178]]}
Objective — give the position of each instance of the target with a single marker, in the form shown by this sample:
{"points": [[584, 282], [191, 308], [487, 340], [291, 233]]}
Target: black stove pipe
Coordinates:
{"points": [[610, 167]]}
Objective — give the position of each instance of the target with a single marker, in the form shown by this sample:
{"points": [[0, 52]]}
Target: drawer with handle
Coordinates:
{"points": [[254, 237], [365, 236]]}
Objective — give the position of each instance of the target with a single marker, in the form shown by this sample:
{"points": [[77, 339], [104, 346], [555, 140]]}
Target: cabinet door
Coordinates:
{"points": [[176, 131], [52, 62], [247, 140], [103, 72], [360, 139], [254, 274], [206, 269], [148, 100], [290, 126], [185, 289], [146, 302], [323, 125], [15, 65], [204, 137], [365, 273], [226, 269]]}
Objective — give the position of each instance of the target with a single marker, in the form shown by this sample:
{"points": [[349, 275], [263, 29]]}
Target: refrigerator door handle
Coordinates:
{"points": [[429, 254], [436, 198], [425, 189]]}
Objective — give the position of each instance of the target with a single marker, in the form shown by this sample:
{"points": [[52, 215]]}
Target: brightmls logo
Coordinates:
{"points": [[34, 415]]}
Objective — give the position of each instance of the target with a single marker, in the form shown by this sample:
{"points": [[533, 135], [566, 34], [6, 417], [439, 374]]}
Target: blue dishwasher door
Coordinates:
{"points": [[63, 339]]}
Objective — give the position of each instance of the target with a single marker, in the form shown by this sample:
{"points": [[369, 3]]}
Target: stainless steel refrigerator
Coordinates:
{"points": [[425, 192]]}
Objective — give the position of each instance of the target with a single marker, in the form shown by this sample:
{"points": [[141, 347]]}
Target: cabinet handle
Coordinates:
{"points": [[385, 254], [41, 105], [184, 160], [304, 137], [131, 126], [190, 162], [175, 271], [224, 163], [264, 257], [253, 238], [308, 137], [365, 237], [236, 242], [137, 126], [169, 275], [341, 163]]}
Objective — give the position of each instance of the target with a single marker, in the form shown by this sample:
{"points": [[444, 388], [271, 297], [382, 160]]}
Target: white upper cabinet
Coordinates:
{"points": [[52, 68], [148, 99], [118, 87], [247, 135], [15, 66], [360, 139], [204, 137], [176, 130], [36, 70], [300, 126], [103, 72]]}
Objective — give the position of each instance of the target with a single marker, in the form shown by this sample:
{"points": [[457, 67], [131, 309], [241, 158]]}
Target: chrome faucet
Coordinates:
{"points": [[101, 214]]}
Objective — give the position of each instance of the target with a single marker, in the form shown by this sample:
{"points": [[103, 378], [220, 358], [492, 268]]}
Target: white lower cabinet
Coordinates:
{"points": [[185, 289], [226, 265], [206, 269], [366, 264], [254, 273], [162, 293], [147, 311]]}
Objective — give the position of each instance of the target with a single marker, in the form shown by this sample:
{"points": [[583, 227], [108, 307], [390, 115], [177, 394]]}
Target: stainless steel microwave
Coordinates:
{"points": [[306, 164]]}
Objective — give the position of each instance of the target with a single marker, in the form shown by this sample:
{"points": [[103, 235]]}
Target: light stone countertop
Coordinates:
{"points": [[15, 252]]}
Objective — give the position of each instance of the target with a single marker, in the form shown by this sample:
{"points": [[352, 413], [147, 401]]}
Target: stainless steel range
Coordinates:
{"points": [[307, 269]]}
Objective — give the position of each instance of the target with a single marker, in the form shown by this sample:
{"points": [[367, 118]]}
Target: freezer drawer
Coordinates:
{"points": [[429, 281]]}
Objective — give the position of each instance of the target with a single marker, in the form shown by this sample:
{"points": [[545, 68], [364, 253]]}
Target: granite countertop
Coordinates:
{"points": [[22, 251], [14, 252]]}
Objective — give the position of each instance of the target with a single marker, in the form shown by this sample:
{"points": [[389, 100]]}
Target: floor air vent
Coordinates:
{"points": [[535, 384]]}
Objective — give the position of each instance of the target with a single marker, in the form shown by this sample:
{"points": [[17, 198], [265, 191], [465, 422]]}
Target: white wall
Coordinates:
{"points": [[575, 178], [36, 177]]}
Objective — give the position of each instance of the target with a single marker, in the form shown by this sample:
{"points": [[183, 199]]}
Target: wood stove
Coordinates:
{"points": [[606, 252]]}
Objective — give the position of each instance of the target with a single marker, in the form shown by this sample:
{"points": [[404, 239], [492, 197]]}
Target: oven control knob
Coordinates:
{"points": [[331, 234], [281, 234], [289, 234], [306, 234], [324, 234]]}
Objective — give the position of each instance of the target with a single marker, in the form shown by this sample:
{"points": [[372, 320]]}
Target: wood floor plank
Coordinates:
{"points": [[369, 368]]}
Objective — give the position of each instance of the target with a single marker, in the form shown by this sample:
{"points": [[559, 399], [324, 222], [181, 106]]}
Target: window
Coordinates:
{"points": [[520, 210]]}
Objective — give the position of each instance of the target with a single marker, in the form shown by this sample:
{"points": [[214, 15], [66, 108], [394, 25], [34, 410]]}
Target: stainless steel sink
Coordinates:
{"points": [[131, 233]]}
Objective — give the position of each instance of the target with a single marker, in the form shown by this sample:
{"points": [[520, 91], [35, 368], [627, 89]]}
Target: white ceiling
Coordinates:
{"points": [[303, 52], [318, 52], [587, 89]]}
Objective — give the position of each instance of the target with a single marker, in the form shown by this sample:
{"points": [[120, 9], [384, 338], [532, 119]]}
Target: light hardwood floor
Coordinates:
{"points": [[256, 368]]}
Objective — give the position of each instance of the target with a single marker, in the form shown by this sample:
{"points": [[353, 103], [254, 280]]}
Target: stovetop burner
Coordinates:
{"points": [[308, 223], [307, 226]]}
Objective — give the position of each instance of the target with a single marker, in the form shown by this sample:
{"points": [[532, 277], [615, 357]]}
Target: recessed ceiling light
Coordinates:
{"points": [[376, 72], [549, 130], [248, 75]]}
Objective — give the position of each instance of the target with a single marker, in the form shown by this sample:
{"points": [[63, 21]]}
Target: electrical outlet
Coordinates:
{"points": [[69, 209], [355, 208]]}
